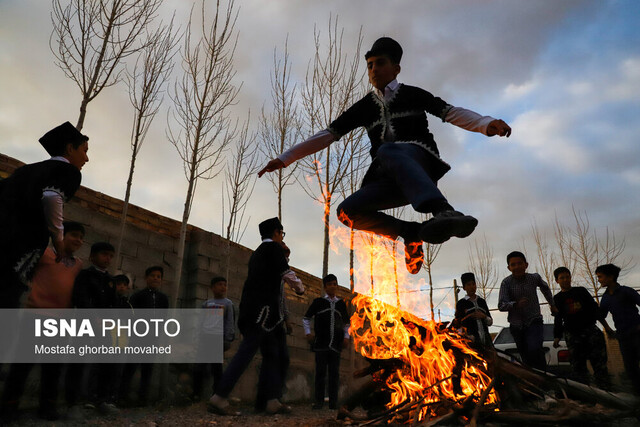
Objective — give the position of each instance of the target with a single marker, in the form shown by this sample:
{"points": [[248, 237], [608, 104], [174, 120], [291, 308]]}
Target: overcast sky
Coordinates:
{"points": [[565, 75]]}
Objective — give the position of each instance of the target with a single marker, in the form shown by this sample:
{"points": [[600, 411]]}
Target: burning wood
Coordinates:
{"points": [[411, 367]]}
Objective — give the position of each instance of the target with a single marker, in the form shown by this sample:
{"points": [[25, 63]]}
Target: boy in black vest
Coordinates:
{"points": [[261, 322], [406, 163], [576, 320], [331, 327], [473, 315]]}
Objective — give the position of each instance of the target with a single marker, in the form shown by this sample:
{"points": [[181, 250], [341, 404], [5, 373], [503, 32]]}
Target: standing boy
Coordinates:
{"points": [[219, 302], [31, 205], [331, 327], [518, 297], [406, 163], [576, 319], [51, 287], [473, 315], [622, 302], [148, 298], [93, 289], [260, 321]]}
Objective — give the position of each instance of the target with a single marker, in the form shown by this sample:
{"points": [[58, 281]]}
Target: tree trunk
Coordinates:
{"points": [[325, 249], [83, 113], [125, 209], [352, 279]]}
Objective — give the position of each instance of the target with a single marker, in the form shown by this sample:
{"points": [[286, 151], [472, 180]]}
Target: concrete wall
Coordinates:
{"points": [[152, 239]]}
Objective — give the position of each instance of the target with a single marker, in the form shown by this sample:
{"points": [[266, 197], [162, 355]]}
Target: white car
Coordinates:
{"points": [[557, 358]]}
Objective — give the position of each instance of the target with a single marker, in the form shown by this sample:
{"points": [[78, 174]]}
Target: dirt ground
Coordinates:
{"points": [[192, 415]]}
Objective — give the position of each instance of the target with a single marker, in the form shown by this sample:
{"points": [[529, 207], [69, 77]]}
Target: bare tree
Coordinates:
{"points": [[240, 180], [90, 39], [280, 129], [546, 257], [359, 161], [562, 235], [333, 83], [431, 252], [591, 250], [146, 85], [202, 126], [482, 266]]}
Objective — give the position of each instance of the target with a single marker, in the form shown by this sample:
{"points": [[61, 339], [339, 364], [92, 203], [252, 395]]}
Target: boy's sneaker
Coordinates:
{"points": [[413, 256], [447, 224], [75, 413], [108, 409], [49, 414]]}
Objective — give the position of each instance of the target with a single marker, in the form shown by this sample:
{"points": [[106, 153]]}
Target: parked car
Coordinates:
{"points": [[557, 358]]}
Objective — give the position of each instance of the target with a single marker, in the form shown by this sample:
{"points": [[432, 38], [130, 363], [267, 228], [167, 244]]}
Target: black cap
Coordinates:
{"points": [[56, 140], [267, 227], [386, 46], [467, 277]]}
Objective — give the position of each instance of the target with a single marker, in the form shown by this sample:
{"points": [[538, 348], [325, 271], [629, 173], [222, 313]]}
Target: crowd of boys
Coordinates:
{"points": [[60, 282]]}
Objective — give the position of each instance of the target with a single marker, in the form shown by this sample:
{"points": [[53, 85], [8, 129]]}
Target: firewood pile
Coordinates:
{"points": [[526, 396]]}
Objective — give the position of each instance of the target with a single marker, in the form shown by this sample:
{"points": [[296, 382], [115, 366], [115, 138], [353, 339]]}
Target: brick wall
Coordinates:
{"points": [[152, 239]]}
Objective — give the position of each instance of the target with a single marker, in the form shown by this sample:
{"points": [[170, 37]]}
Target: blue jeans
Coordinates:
{"points": [[399, 176], [528, 340]]}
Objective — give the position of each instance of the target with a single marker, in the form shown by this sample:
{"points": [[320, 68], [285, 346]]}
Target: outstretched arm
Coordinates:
{"points": [[498, 127], [474, 122], [317, 142]]}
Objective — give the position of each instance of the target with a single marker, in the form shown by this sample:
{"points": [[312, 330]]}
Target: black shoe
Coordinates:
{"points": [[447, 224], [316, 406], [49, 414], [413, 256], [227, 411]]}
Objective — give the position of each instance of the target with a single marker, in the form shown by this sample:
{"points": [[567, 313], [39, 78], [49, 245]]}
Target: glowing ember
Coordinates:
{"points": [[381, 330]]}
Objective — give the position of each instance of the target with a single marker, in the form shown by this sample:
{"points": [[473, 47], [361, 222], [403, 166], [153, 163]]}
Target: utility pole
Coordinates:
{"points": [[455, 290]]}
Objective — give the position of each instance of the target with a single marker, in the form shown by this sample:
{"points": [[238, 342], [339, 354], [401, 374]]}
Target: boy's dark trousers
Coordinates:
{"points": [[529, 340], [146, 370], [401, 177], [589, 345], [201, 371], [270, 376], [630, 349], [14, 385], [327, 360], [283, 368]]}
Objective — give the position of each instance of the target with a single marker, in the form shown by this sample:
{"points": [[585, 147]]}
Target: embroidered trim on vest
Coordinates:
{"points": [[26, 264]]}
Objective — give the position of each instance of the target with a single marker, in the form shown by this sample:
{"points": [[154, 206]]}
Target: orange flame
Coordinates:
{"points": [[381, 330]]}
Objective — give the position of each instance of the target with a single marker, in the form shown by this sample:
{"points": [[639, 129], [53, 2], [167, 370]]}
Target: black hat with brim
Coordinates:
{"points": [[55, 141], [386, 46], [267, 227]]}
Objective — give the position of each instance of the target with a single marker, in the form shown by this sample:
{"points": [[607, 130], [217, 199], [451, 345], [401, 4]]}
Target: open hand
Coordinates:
{"points": [[273, 165], [498, 127]]}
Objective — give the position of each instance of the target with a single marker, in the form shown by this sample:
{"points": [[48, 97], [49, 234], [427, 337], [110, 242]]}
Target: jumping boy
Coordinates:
{"points": [[576, 319], [622, 302], [406, 163], [518, 297], [331, 327], [219, 301]]}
